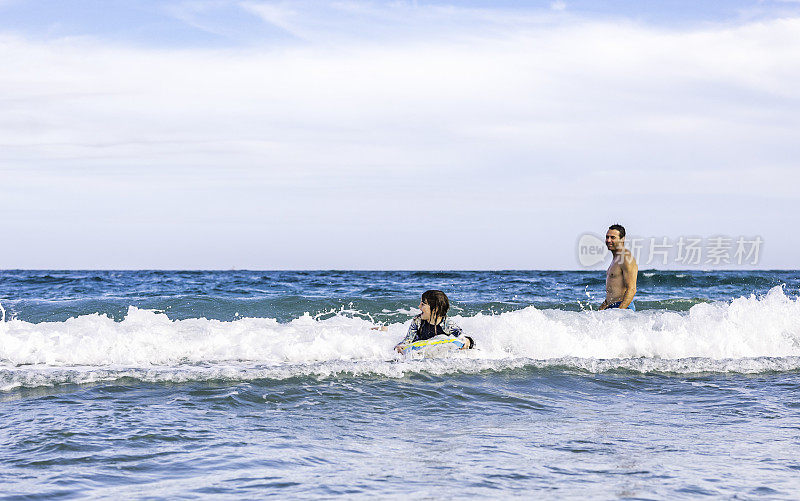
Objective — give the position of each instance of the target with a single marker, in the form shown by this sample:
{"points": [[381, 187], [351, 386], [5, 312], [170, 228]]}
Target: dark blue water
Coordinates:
{"points": [[165, 385], [38, 296]]}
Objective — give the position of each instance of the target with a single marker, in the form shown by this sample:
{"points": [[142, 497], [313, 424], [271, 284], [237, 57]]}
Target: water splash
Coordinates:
{"points": [[748, 334]]}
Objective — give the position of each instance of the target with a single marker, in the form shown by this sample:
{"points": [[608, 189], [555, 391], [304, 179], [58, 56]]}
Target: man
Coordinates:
{"points": [[621, 275]]}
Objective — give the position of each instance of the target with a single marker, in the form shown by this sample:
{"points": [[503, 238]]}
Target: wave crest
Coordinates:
{"points": [[746, 334]]}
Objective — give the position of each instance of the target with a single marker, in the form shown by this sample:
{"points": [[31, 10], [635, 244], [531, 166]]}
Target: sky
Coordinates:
{"points": [[392, 135]]}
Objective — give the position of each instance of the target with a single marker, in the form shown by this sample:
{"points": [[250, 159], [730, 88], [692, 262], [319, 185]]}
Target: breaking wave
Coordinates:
{"points": [[747, 334]]}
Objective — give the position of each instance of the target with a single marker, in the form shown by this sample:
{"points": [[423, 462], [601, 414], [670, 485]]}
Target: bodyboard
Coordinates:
{"points": [[437, 345]]}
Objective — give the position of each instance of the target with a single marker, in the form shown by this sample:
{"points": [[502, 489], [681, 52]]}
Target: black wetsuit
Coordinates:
{"points": [[420, 330]]}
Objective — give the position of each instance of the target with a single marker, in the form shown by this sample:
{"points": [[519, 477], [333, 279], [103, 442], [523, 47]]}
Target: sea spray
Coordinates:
{"points": [[748, 334]]}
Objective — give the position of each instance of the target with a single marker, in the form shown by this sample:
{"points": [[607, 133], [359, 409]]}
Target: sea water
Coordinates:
{"points": [[245, 384]]}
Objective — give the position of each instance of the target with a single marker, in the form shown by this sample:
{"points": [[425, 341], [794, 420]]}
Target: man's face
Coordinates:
{"points": [[613, 240]]}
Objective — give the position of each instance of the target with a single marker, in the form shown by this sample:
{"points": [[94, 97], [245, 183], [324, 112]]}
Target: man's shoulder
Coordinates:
{"points": [[627, 260], [623, 260]]}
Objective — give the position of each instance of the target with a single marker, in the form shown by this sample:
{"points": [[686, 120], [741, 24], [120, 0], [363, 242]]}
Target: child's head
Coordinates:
{"points": [[438, 304]]}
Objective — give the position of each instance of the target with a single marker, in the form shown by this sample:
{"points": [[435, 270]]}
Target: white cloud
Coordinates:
{"points": [[283, 16], [347, 22], [501, 127]]}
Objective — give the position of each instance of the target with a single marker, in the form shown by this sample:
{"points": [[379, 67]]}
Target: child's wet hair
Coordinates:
{"points": [[438, 302]]}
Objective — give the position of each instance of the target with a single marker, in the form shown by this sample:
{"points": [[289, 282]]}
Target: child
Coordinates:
{"points": [[433, 321]]}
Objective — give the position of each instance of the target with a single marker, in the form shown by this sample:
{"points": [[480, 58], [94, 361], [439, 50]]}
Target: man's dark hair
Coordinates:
{"points": [[619, 228], [438, 302]]}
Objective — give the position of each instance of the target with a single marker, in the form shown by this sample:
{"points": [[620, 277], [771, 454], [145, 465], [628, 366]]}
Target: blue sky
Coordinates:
{"points": [[352, 134], [209, 23]]}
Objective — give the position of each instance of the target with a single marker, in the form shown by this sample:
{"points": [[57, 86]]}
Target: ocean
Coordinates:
{"points": [[256, 384]]}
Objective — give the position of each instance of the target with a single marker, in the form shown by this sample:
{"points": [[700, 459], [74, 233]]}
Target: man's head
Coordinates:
{"points": [[615, 237]]}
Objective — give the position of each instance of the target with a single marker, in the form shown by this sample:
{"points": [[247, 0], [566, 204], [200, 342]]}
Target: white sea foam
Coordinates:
{"points": [[744, 335]]}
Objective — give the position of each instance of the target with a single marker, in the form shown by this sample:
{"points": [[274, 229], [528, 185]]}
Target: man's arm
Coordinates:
{"points": [[630, 272]]}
